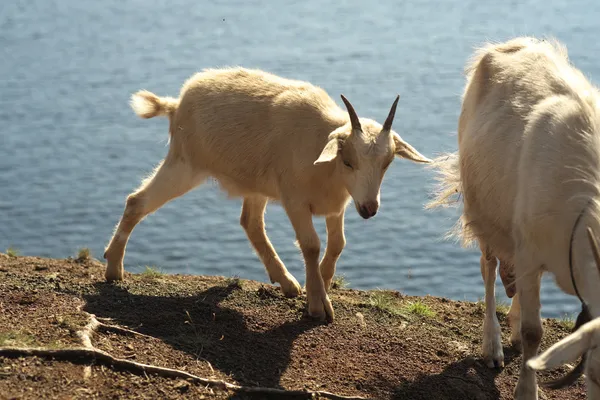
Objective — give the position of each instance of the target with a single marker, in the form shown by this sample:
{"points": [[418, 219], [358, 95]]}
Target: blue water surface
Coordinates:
{"points": [[71, 149]]}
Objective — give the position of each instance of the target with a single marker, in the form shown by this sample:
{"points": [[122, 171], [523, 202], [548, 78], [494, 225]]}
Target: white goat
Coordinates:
{"points": [[263, 137], [528, 166]]}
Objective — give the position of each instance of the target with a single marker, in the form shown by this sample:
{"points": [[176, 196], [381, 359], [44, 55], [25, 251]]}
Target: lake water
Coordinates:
{"points": [[71, 149]]}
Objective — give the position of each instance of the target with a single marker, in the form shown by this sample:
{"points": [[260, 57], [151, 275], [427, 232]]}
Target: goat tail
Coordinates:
{"points": [[448, 181], [448, 192], [148, 105]]}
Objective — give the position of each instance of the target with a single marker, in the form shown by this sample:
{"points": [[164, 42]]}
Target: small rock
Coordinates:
{"points": [[129, 347], [182, 386], [458, 347], [361, 319]]}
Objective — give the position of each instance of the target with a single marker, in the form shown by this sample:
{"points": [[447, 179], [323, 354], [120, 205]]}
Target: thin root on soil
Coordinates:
{"points": [[92, 354]]}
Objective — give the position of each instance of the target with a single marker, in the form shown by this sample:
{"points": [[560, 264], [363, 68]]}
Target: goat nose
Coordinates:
{"points": [[372, 206], [368, 209]]}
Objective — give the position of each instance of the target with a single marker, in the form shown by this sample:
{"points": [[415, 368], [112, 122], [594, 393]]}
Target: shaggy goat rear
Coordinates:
{"points": [[528, 171]]}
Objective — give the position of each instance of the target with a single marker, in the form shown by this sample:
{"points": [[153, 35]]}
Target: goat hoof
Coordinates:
{"points": [[494, 363], [321, 309], [114, 273], [493, 354], [290, 286], [494, 357]]}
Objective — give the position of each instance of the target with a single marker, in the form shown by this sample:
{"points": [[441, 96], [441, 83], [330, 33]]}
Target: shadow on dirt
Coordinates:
{"points": [[467, 379], [202, 327]]}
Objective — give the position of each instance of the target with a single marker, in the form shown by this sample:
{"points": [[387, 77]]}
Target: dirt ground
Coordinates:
{"points": [[382, 345]]}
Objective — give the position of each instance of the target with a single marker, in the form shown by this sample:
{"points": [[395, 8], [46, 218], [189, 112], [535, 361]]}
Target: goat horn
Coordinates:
{"points": [[353, 117], [594, 246], [387, 125]]}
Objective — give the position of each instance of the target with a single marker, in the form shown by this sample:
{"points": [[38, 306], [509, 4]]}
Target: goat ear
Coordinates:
{"points": [[329, 152], [405, 150]]}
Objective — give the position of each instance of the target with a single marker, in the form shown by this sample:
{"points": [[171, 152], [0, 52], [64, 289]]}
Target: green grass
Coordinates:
{"points": [[418, 308], [339, 282], [84, 253], [234, 282], [152, 272], [16, 338], [502, 307], [69, 322], [13, 252], [385, 301], [566, 321]]}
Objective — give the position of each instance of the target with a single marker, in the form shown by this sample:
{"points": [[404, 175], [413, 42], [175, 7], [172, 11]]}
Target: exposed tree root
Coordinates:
{"points": [[90, 354]]}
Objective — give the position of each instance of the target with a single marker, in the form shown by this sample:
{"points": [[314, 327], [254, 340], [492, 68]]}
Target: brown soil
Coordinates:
{"points": [[245, 333]]}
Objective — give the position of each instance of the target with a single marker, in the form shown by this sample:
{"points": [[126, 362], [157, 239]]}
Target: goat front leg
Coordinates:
{"points": [[528, 290], [319, 305], [335, 244], [253, 222], [493, 354]]}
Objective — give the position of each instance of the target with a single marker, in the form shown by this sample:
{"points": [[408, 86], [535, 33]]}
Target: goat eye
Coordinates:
{"points": [[347, 164]]}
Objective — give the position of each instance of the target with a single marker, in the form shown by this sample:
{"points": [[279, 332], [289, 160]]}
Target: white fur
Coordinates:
{"points": [[528, 162], [141, 105], [263, 137]]}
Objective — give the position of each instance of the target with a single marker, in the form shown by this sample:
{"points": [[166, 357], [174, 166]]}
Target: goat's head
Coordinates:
{"points": [[363, 150], [584, 341]]}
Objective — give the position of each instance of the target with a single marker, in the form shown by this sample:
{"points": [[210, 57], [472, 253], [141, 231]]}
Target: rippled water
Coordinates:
{"points": [[71, 149]]}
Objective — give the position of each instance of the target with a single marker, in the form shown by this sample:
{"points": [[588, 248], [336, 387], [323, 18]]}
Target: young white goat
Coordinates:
{"points": [[528, 168], [263, 137]]}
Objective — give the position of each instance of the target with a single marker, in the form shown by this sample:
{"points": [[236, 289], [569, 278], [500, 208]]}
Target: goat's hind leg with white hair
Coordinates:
{"points": [[492, 351]]}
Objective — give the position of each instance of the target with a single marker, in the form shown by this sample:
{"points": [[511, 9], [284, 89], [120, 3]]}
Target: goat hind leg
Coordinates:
{"points": [[253, 222], [170, 179], [507, 274], [514, 319], [493, 355]]}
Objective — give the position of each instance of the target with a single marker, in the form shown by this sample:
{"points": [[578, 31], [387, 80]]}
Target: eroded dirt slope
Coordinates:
{"points": [[382, 345]]}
